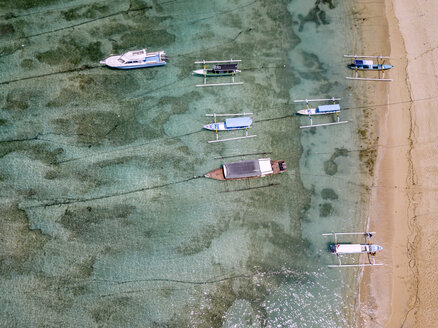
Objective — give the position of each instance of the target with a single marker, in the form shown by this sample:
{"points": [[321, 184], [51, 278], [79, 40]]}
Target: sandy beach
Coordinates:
{"points": [[402, 208]]}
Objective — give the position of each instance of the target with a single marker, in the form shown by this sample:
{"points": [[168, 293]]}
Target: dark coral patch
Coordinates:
{"points": [[70, 51], [81, 12], [79, 220], [325, 210], [6, 30], [330, 166], [328, 193], [18, 242]]}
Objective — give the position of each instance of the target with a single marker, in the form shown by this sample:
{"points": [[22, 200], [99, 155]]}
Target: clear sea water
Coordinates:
{"points": [[103, 223]]}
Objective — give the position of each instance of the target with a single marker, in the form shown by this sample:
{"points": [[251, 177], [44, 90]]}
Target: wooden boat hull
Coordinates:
{"points": [[218, 174]]}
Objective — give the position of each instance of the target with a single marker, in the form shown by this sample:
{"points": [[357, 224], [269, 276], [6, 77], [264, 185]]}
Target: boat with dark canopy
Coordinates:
{"points": [[219, 70]]}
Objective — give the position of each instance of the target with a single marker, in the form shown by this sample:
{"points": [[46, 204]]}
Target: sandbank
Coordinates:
{"points": [[403, 293]]}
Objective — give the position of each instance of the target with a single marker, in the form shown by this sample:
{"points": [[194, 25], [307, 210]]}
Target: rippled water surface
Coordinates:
{"points": [[106, 218]]}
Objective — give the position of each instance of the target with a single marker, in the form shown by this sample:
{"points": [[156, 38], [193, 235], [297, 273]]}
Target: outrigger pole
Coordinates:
{"points": [[253, 154], [218, 61], [353, 265], [376, 57], [347, 233], [230, 139], [239, 114]]}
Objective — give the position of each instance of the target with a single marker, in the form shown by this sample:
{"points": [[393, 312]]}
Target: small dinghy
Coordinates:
{"points": [[136, 59]]}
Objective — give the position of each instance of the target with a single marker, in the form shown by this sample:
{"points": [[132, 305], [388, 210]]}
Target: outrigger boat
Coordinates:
{"points": [[248, 169], [253, 168], [218, 70], [321, 110], [368, 65], [222, 68], [342, 249], [230, 124], [136, 59]]}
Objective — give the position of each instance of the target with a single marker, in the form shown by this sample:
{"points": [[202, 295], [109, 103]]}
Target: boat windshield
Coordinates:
{"points": [[121, 60]]}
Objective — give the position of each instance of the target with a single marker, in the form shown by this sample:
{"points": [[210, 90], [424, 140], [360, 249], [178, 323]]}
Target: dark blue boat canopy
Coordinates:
{"points": [[225, 67]]}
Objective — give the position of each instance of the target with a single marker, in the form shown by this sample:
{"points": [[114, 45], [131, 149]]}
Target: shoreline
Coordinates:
{"points": [[402, 194]]}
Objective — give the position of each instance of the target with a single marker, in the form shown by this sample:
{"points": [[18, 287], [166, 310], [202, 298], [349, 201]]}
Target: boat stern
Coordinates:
{"points": [[164, 57]]}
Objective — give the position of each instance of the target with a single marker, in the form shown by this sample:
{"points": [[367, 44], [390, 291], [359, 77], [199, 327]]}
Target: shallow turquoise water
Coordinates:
{"points": [[103, 221]]}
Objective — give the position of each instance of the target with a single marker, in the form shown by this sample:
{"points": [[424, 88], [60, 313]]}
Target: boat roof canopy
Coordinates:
{"points": [[238, 122], [363, 62], [247, 169], [349, 248], [329, 108], [134, 55], [265, 166], [225, 67]]}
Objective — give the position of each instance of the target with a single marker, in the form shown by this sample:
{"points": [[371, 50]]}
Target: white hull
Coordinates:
{"points": [[220, 126], [312, 111], [204, 72]]}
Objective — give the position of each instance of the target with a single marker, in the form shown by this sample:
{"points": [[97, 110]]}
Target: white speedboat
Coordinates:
{"points": [[136, 59]]}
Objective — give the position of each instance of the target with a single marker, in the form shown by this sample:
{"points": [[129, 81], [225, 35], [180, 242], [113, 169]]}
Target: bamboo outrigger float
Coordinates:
{"points": [[222, 68], [230, 124], [342, 249], [321, 110], [368, 65]]}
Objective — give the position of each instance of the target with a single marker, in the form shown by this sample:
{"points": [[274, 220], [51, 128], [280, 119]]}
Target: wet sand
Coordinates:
{"points": [[403, 193]]}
